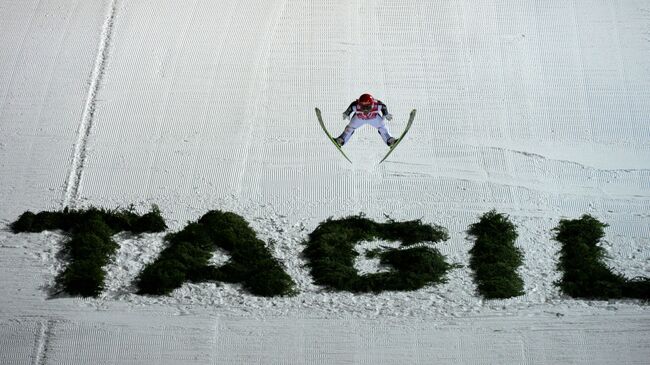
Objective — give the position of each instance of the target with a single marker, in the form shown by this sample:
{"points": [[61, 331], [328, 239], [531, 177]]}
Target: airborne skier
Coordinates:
{"points": [[366, 110]]}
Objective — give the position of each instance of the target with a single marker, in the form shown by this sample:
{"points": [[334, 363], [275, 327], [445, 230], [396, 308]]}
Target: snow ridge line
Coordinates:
{"points": [[79, 156], [261, 71]]}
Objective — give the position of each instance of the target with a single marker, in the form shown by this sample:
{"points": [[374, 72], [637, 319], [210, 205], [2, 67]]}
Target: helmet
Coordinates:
{"points": [[366, 100]]}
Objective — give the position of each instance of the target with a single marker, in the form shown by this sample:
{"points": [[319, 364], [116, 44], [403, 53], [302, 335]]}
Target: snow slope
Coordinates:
{"points": [[537, 109]]}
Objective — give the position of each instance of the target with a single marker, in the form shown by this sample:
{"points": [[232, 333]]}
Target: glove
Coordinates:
{"points": [[346, 116], [389, 116]]}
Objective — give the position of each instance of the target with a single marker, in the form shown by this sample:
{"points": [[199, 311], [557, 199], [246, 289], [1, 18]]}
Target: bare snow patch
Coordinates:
{"points": [[367, 265]]}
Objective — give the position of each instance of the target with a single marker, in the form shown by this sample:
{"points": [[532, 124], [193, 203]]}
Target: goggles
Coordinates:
{"points": [[365, 107]]}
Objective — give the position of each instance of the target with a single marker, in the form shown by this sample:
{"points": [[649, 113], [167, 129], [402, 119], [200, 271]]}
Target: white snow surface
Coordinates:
{"points": [[539, 109]]}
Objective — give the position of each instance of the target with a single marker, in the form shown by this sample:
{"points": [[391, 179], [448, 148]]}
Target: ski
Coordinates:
{"points": [[399, 140], [320, 121]]}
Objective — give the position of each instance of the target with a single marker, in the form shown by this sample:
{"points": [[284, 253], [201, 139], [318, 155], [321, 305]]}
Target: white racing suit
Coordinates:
{"points": [[375, 117]]}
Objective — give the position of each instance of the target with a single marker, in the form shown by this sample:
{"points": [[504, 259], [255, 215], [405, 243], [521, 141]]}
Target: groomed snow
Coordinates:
{"points": [[538, 109]]}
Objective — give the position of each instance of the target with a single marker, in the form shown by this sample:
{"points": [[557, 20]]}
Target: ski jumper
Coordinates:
{"points": [[374, 117]]}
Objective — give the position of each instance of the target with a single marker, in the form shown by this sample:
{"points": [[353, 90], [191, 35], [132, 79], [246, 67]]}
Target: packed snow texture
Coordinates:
{"points": [[538, 109]]}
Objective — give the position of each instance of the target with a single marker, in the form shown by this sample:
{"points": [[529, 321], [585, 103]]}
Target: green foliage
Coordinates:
{"points": [[118, 220], [83, 278], [128, 220], [637, 288], [495, 258], [187, 254], [411, 232], [585, 274], [43, 221], [162, 277], [581, 260], [331, 255], [90, 246]]}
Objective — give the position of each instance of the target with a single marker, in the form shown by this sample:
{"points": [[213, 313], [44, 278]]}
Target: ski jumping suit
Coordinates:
{"points": [[375, 117]]}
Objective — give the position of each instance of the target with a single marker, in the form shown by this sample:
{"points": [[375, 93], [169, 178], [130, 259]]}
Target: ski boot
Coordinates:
{"points": [[391, 141], [339, 141]]}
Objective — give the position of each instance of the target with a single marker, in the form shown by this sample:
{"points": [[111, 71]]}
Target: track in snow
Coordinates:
{"points": [[79, 155], [547, 338]]}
